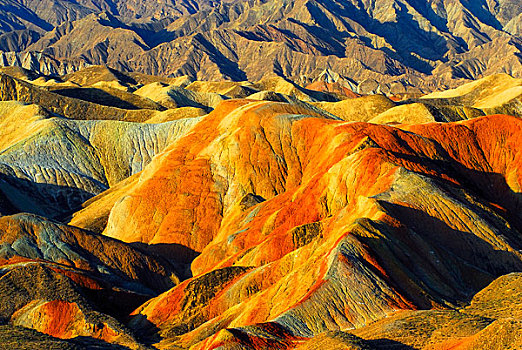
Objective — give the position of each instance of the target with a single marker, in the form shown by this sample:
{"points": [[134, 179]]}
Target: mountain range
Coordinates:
{"points": [[389, 46]]}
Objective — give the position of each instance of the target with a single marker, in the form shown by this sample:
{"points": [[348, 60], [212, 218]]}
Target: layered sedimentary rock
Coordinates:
{"points": [[50, 165], [284, 218], [35, 238], [65, 282], [317, 225]]}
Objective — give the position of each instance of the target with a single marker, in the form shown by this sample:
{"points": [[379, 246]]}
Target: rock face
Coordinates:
{"points": [[285, 218], [386, 46]]}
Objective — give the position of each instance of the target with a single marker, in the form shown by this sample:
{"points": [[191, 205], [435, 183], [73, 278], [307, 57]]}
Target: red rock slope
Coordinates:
{"points": [[302, 224]]}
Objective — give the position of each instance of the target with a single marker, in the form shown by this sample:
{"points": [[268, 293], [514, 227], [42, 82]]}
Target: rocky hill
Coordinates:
{"points": [[365, 46], [140, 212]]}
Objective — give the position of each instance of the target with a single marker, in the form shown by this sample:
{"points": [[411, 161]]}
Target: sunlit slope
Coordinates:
{"points": [[50, 165], [292, 214]]}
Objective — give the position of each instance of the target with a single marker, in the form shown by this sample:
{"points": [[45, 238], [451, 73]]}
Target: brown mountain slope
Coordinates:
{"points": [[44, 14], [385, 46], [14, 89]]}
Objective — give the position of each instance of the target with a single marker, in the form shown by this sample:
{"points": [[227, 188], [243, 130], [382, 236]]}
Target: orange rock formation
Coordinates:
{"points": [[316, 224]]}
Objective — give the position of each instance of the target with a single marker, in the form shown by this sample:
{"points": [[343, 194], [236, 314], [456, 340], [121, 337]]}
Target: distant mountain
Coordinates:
{"points": [[389, 45], [46, 14]]}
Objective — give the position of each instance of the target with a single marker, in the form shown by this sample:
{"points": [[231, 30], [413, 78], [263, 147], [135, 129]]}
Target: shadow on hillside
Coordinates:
{"points": [[146, 331], [44, 199], [451, 264], [178, 255], [115, 302], [89, 343], [226, 66], [6, 207], [489, 188], [172, 251], [388, 344], [97, 96], [390, 31]]}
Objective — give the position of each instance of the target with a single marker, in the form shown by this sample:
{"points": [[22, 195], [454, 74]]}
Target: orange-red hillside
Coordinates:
{"points": [[314, 224]]}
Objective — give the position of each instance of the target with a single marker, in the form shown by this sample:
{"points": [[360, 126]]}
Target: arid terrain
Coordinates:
{"points": [[390, 46], [146, 212], [261, 174]]}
